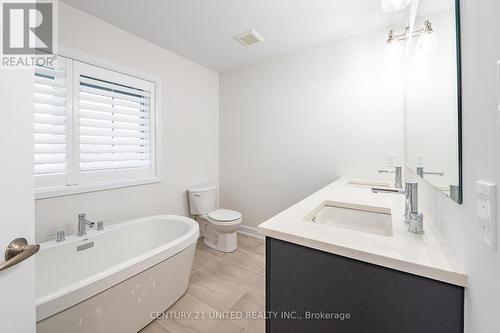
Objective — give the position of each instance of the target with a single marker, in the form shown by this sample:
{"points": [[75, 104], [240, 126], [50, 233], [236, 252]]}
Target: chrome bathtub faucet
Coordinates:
{"points": [[413, 218], [83, 223]]}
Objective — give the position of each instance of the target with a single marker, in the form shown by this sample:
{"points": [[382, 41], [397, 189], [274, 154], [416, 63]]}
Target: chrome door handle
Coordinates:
{"points": [[17, 251]]}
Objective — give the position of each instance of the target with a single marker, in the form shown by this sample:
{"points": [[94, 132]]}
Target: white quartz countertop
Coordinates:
{"points": [[425, 255]]}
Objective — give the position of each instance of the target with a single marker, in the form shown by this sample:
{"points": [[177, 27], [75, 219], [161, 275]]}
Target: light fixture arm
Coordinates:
{"points": [[394, 36]]}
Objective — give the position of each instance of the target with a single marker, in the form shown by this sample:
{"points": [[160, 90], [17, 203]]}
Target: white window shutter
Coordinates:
{"points": [[51, 129], [115, 124]]}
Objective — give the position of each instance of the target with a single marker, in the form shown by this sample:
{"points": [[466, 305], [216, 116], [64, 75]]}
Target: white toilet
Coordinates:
{"points": [[218, 226]]}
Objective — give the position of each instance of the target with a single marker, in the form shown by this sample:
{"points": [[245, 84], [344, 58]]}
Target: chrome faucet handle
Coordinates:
{"points": [[421, 172], [388, 190], [60, 236], [436, 173], [100, 225]]}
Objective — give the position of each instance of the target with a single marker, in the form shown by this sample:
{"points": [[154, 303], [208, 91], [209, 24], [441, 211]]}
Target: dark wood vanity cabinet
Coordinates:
{"points": [[349, 296]]}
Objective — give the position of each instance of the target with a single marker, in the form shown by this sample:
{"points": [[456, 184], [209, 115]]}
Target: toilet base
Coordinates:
{"points": [[223, 242]]}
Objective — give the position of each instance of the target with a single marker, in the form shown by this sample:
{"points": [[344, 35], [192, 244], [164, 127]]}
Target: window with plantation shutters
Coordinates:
{"points": [[93, 127], [115, 123]]}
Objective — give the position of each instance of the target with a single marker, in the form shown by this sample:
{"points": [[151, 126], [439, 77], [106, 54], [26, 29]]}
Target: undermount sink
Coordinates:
{"points": [[368, 219]]}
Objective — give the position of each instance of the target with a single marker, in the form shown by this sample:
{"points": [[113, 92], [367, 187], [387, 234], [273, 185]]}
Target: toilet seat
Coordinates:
{"points": [[224, 216]]}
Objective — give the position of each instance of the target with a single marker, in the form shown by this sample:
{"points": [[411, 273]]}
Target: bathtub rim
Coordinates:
{"points": [[72, 294]]}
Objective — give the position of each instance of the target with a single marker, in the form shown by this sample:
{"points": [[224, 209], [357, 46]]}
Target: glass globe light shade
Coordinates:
{"points": [[427, 45]]}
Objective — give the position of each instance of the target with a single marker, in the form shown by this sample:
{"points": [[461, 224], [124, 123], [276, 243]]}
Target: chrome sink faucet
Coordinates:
{"points": [[398, 176], [83, 223], [421, 172], [413, 218]]}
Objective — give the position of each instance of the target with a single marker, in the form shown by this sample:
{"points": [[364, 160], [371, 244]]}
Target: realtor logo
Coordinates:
{"points": [[29, 33], [27, 28]]}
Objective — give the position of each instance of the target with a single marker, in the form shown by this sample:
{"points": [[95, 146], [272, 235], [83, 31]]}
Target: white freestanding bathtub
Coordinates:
{"points": [[112, 280]]}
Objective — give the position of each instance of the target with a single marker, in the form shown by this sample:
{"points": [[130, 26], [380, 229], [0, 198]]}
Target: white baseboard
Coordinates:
{"points": [[250, 231]]}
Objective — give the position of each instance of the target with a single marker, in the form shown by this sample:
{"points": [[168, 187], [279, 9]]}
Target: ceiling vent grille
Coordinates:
{"points": [[249, 37]]}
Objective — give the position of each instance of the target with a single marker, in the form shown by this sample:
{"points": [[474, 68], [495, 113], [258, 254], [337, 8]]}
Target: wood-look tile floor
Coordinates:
{"points": [[229, 284]]}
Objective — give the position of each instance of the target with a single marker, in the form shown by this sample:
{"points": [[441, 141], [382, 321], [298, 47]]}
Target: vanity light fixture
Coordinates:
{"points": [[427, 43], [426, 30], [391, 6]]}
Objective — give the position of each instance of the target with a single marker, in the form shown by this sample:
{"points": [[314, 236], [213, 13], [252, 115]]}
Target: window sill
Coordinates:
{"points": [[59, 191]]}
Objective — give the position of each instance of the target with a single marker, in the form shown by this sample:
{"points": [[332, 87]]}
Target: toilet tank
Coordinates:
{"points": [[202, 199]]}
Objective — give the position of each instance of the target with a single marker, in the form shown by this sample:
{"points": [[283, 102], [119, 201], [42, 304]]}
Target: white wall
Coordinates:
{"points": [[291, 125], [481, 158], [190, 125]]}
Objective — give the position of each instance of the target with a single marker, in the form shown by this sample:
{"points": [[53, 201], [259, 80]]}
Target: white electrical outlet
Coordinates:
{"points": [[391, 160], [487, 212], [420, 160]]}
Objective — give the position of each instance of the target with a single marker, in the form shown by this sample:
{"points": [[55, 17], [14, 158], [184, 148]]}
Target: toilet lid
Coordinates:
{"points": [[224, 215]]}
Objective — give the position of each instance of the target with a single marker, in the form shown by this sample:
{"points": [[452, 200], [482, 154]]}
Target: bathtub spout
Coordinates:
{"points": [[83, 223]]}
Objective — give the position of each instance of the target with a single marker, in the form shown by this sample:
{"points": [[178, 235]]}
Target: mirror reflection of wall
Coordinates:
{"points": [[431, 98]]}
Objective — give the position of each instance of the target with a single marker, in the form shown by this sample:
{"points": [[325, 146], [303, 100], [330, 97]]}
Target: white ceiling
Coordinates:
{"points": [[203, 30]]}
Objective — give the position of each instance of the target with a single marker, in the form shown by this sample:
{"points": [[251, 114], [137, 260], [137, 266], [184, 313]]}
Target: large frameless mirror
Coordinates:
{"points": [[432, 97]]}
